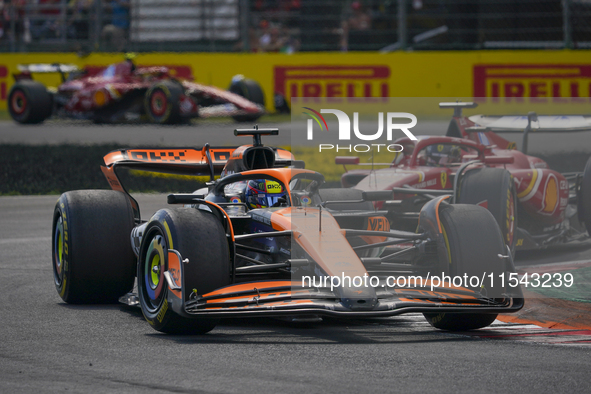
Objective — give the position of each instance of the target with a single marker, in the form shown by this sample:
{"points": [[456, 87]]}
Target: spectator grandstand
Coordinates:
{"points": [[291, 25]]}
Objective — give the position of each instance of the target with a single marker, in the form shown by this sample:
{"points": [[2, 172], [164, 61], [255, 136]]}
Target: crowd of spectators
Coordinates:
{"points": [[50, 20], [281, 25], [289, 26]]}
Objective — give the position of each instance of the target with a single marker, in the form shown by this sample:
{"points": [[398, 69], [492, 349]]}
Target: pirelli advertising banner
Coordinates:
{"points": [[492, 74]]}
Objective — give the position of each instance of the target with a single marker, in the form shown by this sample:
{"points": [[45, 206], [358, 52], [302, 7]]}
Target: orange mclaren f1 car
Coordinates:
{"points": [[266, 240]]}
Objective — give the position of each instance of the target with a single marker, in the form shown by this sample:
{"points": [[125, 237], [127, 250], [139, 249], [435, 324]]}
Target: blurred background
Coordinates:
{"points": [[291, 25]]}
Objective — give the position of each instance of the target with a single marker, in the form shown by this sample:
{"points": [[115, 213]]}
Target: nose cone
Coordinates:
{"points": [[358, 298]]}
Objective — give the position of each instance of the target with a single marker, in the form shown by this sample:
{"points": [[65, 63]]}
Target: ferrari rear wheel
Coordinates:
{"points": [[92, 257], [29, 102], [493, 189], [584, 198], [251, 90], [201, 240], [162, 102], [473, 244]]}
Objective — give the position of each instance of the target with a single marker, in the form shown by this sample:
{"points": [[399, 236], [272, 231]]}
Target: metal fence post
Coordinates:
{"points": [[566, 26], [244, 18], [96, 42], [13, 34], [402, 24]]}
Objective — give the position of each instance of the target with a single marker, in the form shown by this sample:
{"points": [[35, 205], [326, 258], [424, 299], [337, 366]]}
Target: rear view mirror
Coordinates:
{"points": [[345, 160]]}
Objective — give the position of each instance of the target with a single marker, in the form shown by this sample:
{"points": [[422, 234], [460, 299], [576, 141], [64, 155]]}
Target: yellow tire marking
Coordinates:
{"points": [[170, 245]]}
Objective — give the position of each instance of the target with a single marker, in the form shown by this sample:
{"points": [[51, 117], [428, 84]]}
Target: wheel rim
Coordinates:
{"points": [[154, 262], [58, 254], [510, 219], [18, 103], [158, 103]]}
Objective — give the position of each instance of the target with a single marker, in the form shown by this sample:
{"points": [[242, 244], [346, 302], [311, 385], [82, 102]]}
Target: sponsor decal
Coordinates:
{"points": [[158, 155], [332, 81], [378, 224], [162, 312], [273, 187], [443, 179], [532, 80], [3, 83], [550, 198]]}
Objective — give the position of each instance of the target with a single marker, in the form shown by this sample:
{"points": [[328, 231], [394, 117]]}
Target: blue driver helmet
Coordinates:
{"points": [[263, 193]]}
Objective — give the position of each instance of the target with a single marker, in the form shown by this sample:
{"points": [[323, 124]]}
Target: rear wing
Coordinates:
{"points": [[45, 68], [538, 123], [458, 106], [183, 161], [530, 123], [207, 161]]}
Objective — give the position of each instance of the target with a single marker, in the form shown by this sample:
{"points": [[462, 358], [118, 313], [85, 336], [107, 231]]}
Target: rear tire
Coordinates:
{"points": [[92, 257], [473, 242], [251, 90], [197, 236], [584, 198], [494, 189], [29, 102], [162, 102]]}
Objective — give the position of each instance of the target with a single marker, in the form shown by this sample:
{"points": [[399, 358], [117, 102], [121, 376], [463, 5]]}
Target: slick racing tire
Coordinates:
{"points": [[92, 257], [199, 237], [29, 102], [460, 321], [473, 243], [162, 102], [584, 198], [250, 90], [494, 189]]}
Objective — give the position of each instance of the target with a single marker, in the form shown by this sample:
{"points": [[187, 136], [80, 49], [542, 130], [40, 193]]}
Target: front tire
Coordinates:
{"points": [[473, 245], [92, 257], [199, 237], [29, 102]]}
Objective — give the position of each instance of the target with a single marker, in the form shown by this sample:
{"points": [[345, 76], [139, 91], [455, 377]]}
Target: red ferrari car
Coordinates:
{"points": [[534, 205], [123, 92]]}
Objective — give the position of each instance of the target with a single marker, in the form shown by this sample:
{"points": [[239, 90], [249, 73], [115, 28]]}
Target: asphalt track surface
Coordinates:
{"points": [[49, 346]]}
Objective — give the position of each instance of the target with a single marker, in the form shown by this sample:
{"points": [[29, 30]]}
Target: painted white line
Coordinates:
{"points": [[24, 240]]}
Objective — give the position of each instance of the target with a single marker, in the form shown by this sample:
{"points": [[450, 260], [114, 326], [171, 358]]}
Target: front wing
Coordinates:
{"points": [[276, 298]]}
